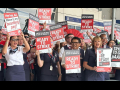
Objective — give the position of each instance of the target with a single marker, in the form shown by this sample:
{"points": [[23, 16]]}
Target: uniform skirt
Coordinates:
{"points": [[48, 78], [15, 73]]}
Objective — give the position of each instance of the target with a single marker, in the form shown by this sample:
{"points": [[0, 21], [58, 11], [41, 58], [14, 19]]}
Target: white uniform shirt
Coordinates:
{"points": [[62, 50], [15, 58]]}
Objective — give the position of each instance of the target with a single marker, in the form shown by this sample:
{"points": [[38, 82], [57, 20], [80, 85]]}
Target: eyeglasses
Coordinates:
{"points": [[15, 39], [112, 42], [26, 36], [70, 37], [75, 42], [104, 38]]}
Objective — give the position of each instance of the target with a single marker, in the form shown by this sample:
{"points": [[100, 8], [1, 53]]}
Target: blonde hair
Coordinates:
{"points": [[96, 38], [84, 47]]}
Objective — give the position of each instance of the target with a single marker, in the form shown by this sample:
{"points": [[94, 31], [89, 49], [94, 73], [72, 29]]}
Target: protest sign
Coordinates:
{"points": [[115, 58], [95, 30], [44, 14], [64, 26], [29, 58], [86, 25], [41, 27], [56, 31], [103, 60], [12, 24], [117, 32], [43, 42], [104, 32], [72, 61], [33, 24], [107, 26]]}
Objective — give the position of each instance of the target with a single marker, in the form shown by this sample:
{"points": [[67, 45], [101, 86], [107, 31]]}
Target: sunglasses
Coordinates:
{"points": [[26, 36], [15, 39]]}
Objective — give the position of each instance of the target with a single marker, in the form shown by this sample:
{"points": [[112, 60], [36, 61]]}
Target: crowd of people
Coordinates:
{"points": [[51, 66]]}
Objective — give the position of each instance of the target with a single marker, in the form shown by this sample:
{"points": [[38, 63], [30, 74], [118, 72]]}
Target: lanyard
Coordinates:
{"points": [[51, 57]]}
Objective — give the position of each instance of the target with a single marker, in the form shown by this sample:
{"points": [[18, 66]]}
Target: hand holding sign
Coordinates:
{"points": [[44, 25], [94, 68], [37, 52], [8, 36]]}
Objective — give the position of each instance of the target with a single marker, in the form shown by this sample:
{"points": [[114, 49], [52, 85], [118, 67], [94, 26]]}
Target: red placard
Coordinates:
{"points": [[12, 24], [29, 58], [86, 24], [44, 14], [33, 24], [43, 42], [4, 37], [72, 63], [57, 34]]}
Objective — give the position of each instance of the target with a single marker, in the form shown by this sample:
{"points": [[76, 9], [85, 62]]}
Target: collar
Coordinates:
{"points": [[68, 45]]}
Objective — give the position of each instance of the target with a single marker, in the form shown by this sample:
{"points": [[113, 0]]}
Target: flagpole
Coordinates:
{"points": [[113, 23]]}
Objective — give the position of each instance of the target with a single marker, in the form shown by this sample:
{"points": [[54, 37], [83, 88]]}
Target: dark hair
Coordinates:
{"points": [[76, 39], [68, 35], [110, 36], [11, 38], [102, 35], [26, 34], [109, 41]]}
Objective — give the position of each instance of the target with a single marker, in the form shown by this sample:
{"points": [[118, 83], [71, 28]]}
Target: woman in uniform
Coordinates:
{"points": [[90, 62], [14, 56], [49, 63]]}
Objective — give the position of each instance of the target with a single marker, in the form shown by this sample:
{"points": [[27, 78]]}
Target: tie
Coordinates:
{"points": [[13, 51], [70, 47]]}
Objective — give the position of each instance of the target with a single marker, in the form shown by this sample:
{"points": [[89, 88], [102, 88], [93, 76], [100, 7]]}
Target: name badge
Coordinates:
{"points": [[51, 68]]}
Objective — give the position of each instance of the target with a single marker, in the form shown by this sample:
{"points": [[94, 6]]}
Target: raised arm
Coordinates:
{"points": [[4, 50], [27, 47], [88, 33], [39, 61]]}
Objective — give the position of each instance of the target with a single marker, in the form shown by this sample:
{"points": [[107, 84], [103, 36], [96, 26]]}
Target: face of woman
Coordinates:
{"points": [[14, 41], [97, 43], [111, 44]]}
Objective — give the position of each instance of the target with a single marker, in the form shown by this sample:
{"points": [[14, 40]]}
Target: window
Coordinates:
{"points": [[78, 28], [71, 27]]}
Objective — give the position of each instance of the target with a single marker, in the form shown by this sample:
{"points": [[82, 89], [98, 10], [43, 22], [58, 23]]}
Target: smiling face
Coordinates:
{"points": [[69, 38], [75, 44], [96, 43], [14, 41], [104, 39], [20, 41], [111, 43]]}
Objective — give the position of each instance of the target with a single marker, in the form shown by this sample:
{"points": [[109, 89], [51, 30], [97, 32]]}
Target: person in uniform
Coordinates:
{"points": [[49, 63], [74, 76], [14, 56], [90, 62], [2, 65], [68, 38], [104, 45]]}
